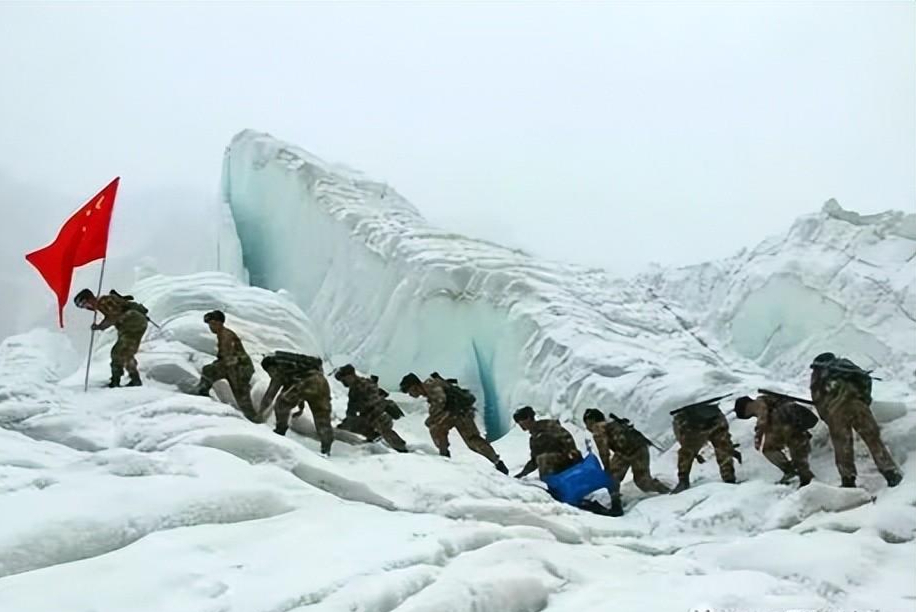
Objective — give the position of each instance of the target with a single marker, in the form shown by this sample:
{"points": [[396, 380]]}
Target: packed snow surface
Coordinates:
{"points": [[147, 499]]}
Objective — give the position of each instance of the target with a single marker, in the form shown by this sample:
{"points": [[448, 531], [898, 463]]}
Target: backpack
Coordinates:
{"points": [[296, 365], [804, 418], [458, 400], [702, 415], [127, 302], [845, 370]]}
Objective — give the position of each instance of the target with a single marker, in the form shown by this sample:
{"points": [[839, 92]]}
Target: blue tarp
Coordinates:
{"points": [[572, 484]]}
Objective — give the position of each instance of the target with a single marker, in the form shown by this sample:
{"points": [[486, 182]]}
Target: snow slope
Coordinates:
{"points": [[144, 499]]}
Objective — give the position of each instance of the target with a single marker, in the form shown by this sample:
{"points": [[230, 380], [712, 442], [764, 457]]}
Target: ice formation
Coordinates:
{"points": [[178, 503]]}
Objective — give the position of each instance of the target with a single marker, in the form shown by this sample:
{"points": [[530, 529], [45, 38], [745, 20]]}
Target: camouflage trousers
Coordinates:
{"points": [[320, 407], [553, 463], [692, 438], [123, 354], [373, 423], [798, 443], [439, 429], [844, 412], [638, 460], [239, 378]]}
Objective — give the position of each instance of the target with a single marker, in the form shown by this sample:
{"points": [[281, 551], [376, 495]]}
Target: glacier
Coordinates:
{"points": [[394, 295], [181, 504]]}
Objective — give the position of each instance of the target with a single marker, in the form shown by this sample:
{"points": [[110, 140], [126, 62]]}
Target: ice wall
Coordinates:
{"points": [[837, 281], [393, 294]]}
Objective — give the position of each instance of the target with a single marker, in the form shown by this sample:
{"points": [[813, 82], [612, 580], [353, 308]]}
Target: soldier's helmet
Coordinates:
{"points": [[523, 414], [409, 381], [215, 315], [592, 415], [741, 407], [823, 360], [82, 297]]}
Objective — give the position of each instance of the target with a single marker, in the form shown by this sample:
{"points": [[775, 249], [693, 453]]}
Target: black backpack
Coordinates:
{"points": [[458, 400], [804, 418], [296, 365], [845, 370]]}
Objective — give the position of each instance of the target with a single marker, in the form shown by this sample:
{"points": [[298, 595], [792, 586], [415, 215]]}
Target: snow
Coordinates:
{"points": [[182, 504], [147, 499]]}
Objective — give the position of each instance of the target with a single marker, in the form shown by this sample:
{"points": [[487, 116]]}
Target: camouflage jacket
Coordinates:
{"points": [[438, 402], [780, 417], [115, 312], [229, 349], [548, 436], [312, 385], [613, 436], [364, 397]]}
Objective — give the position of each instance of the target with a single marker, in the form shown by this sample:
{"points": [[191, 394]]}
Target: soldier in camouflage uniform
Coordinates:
{"points": [[845, 406], [553, 450], [781, 425], [367, 406], [298, 387], [232, 363], [693, 428], [631, 450], [444, 416], [129, 319]]}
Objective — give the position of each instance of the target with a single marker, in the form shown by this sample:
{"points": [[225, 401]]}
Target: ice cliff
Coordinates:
{"points": [[394, 294]]}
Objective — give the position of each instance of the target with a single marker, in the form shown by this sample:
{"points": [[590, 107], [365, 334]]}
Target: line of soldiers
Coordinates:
{"points": [[840, 391]]}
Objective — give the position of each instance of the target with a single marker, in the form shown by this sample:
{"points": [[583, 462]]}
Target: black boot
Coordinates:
{"points": [[502, 467], [135, 381], [848, 483], [893, 477], [804, 480], [444, 453], [682, 485], [280, 430], [326, 448], [786, 478], [114, 383], [616, 506]]}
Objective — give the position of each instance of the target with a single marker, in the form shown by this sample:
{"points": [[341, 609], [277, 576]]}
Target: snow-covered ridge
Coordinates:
{"points": [[394, 294], [836, 281]]}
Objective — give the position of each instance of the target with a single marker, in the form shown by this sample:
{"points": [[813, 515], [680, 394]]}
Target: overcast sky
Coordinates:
{"points": [[608, 134]]}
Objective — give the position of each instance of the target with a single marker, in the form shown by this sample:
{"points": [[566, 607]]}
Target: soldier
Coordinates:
{"points": [[301, 379], [693, 428], [781, 424], [553, 449], [129, 318], [842, 395], [232, 363], [631, 449], [367, 407], [450, 407]]}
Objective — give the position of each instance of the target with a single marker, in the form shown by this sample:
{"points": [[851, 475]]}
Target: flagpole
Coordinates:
{"points": [[95, 315]]}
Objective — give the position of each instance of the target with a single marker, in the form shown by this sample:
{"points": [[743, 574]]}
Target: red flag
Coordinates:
{"points": [[82, 239]]}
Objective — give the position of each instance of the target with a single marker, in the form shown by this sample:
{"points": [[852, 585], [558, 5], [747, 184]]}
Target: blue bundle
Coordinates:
{"points": [[572, 484]]}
